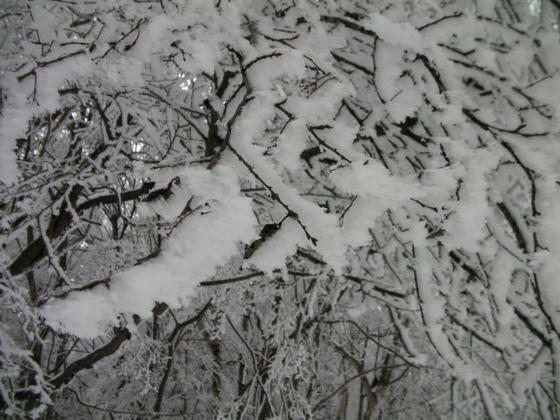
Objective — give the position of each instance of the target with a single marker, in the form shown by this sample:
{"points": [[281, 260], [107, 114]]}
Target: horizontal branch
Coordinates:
{"points": [[521, 242], [230, 280]]}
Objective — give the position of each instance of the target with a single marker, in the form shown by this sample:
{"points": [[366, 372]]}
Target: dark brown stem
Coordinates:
{"points": [[121, 335]]}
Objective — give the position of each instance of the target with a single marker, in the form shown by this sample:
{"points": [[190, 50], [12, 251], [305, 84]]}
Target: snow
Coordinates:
{"points": [[322, 103], [499, 288], [13, 124], [549, 230], [431, 301], [376, 189], [202, 242], [550, 53], [404, 335], [52, 78], [396, 34], [291, 143], [273, 252], [461, 176], [18, 107], [43, 22], [289, 63], [485, 7], [525, 379], [377, 192], [467, 223], [170, 208]]}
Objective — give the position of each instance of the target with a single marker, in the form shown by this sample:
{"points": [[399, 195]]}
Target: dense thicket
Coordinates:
{"points": [[279, 209]]}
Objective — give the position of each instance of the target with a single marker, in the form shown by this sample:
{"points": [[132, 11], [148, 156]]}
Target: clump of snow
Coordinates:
{"points": [[273, 252], [395, 33], [289, 63], [466, 223], [203, 241], [549, 232], [324, 102], [485, 7], [499, 287], [375, 189], [371, 181], [525, 379], [13, 124], [52, 77], [291, 143], [431, 301], [170, 208], [550, 50]]}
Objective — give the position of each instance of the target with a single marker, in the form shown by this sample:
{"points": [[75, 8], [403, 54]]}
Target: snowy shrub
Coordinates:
{"points": [[280, 209]]}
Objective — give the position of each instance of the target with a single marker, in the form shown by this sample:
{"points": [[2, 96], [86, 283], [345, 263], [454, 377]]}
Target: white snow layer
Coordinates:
{"points": [[203, 241]]}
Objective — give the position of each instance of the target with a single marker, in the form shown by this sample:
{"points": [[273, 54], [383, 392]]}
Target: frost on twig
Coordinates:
{"points": [[281, 209]]}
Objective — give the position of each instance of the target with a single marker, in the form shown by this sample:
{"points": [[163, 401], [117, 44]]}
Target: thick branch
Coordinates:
{"points": [[121, 335], [37, 250]]}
